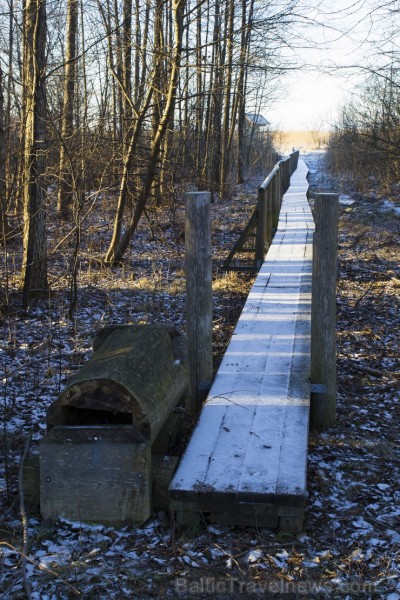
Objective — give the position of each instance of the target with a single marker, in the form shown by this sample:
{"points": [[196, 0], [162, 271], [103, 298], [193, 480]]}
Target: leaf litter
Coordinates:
{"points": [[350, 546]]}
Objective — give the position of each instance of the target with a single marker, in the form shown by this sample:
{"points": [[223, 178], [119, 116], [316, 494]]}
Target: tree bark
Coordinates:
{"points": [[34, 262], [227, 98], [3, 146], [120, 242], [213, 110], [118, 69], [241, 91], [127, 69], [123, 188], [66, 184]]}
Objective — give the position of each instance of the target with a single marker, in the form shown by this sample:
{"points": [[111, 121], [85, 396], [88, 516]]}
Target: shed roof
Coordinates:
{"points": [[257, 119]]}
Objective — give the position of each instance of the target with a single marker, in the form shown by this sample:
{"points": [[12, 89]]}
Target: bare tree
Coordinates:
{"points": [[155, 98], [365, 143], [120, 241], [34, 263], [242, 83], [224, 154], [67, 174], [3, 147]]}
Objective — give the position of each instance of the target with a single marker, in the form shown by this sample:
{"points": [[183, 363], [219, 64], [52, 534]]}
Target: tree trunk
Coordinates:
{"points": [[123, 188], [217, 99], [212, 119], [199, 99], [138, 43], [166, 173], [3, 146], [118, 69], [160, 84], [83, 94], [9, 179], [224, 166], [144, 69], [66, 166], [34, 262], [120, 244], [127, 69], [241, 91]]}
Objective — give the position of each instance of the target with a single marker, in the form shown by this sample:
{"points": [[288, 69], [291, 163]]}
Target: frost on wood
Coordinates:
{"points": [[246, 461], [132, 378], [353, 468], [95, 462]]}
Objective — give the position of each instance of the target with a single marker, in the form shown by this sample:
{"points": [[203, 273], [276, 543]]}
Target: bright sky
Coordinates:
{"points": [[313, 96], [309, 100]]}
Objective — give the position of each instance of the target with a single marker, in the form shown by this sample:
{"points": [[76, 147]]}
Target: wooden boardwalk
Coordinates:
{"points": [[246, 462]]}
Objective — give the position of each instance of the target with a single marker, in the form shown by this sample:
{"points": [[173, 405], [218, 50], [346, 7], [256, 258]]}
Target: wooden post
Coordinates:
{"points": [[199, 295], [292, 163], [287, 174], [269, 198], [281, 180], [261, 227], [279, 190], [323, 313], [275, 201], [284, 176], [296, 159]]}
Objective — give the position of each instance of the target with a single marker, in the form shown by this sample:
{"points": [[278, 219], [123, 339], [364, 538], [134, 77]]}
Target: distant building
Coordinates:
{"points": [[255, 126], [256, 120]]}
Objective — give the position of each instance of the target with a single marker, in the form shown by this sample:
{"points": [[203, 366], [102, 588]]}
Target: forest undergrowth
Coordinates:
{"points": [[350, 544]]}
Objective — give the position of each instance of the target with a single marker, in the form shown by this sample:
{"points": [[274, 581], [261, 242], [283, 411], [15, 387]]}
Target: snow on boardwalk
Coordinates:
{"points": [[246, 461]]}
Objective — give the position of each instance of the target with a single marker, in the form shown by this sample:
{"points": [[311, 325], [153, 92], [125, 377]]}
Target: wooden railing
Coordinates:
{"points": [[246, 461], [264, 218]]}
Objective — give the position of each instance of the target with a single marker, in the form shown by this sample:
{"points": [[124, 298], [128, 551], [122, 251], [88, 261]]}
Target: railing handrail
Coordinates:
{"points": [[269, 178], [292, 159], [266, 213]]}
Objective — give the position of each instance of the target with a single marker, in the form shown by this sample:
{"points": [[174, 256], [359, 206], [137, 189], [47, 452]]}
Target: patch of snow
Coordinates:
{"points": [[345, 200], [383, 486], [311, 563], [393, 535], [388, 205], [215, 530], [254, 555], [362, 524], [216, 553]]}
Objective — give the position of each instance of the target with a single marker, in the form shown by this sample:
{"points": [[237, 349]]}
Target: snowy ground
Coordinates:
{"points": [[350, 546]]}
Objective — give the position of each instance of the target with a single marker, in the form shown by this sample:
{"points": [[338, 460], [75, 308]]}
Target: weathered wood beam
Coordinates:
{"points": [[199, 295], [323, 339]]}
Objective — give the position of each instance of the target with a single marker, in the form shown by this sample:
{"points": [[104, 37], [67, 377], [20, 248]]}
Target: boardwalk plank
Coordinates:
{"points": [[246, 461]]}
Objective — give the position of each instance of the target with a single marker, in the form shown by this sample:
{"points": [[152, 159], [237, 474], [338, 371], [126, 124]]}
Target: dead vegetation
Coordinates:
{"points": [[351, 539]]}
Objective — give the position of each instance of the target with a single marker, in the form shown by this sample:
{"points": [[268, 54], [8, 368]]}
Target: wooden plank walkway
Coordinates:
{"points": [[247, 459]]}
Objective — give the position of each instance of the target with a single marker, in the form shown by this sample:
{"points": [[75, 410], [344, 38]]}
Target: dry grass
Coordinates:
{"points": [[231, 282], [351, 516], [303, 140]]}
